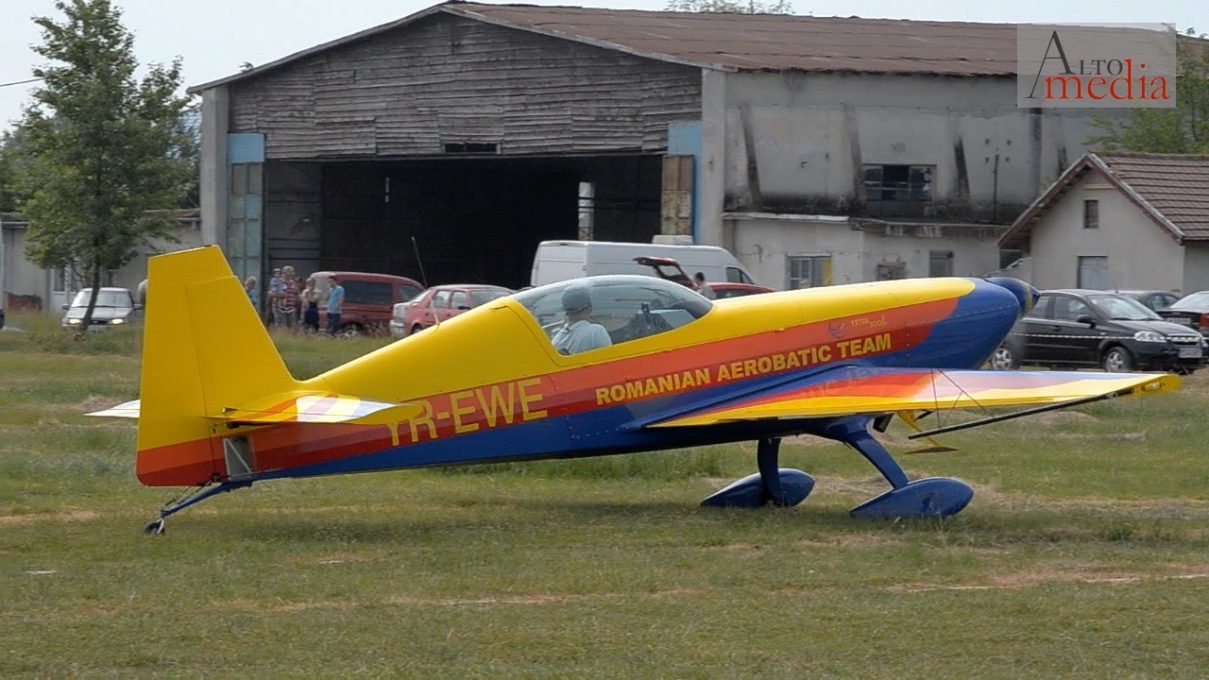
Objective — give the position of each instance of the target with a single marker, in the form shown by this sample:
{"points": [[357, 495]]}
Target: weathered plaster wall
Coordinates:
{"points": [[1140, 253]]}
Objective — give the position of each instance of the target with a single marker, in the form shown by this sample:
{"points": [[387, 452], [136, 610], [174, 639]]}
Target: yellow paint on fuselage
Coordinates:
{"points": [[207, 358], [501, 341]]}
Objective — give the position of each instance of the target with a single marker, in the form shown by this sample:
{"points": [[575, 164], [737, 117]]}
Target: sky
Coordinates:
{"points": [[214, 37]]}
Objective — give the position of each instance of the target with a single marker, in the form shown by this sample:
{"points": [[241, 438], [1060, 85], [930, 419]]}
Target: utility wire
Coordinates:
{"points": [[20, 82]]}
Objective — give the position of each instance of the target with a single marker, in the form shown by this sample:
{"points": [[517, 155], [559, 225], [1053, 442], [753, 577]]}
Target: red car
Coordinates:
{"points": [[440, 303], [668, 268], [368, 299], [730, 290]]}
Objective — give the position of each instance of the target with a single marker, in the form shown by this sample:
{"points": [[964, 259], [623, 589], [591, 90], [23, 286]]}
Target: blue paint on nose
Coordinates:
{"points": [[1025, 294]]}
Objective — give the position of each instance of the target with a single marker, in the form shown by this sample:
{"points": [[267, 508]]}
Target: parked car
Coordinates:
{"points": [[440, 303], [562, 260], [1071, 328], [668, 268], [1154, 299], [115, 308], [369, 299], [1191, 311], [730, 290]]}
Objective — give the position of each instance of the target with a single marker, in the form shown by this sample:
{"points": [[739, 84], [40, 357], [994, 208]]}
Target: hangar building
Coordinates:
{"points": [[819, 150]]}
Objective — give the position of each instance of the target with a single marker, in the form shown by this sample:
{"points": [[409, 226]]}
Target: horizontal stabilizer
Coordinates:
{"points": [[129, 409], [856, 390], [297, 407], [316, 407]]}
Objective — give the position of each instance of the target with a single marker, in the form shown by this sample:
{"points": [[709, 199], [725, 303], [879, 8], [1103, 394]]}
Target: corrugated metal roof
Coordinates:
{"points": [[736, 42], [1171, 189], [775, 42]]}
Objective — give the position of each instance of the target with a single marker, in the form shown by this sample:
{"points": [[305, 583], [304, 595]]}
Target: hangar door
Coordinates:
{"points": [[478, 220]]}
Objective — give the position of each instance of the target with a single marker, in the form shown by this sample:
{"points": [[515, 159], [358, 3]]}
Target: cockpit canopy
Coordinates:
{"points": [[629, 307]]}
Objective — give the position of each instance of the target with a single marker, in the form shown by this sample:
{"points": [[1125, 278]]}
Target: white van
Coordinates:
{"points": [[562, 260]]}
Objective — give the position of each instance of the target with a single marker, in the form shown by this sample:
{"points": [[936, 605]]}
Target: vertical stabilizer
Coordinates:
{"points": [[204, 350]]}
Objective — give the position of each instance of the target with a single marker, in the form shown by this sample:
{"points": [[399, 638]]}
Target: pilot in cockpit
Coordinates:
{"points": [[579, 333]]}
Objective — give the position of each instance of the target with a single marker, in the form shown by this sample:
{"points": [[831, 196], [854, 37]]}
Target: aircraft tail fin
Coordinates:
{"points": [[205, 352]]}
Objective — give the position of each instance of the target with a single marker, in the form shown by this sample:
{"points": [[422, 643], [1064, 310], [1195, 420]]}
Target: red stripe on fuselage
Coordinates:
{"points": [[577, 390], [184, 464]]}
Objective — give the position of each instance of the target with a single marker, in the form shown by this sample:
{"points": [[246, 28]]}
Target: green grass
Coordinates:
{"points": [[1085, 553]]}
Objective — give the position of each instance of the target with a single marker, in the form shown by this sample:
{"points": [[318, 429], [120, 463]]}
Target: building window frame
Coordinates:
{"points": [[807, 271], [900, 182], [940, 263], [1091, 213]]}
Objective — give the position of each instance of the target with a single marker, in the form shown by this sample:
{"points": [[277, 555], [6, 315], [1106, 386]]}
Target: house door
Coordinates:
{"points": [[1093, 272]]}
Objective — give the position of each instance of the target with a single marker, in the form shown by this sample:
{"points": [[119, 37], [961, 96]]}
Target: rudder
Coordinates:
{"points": [[204, 350]]}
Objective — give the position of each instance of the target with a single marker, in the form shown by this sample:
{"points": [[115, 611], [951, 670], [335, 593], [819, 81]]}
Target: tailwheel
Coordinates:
{"points": [[156, 527]]}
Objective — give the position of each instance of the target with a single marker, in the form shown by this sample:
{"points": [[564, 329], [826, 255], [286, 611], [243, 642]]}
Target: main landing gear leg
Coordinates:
{"points": [[932, 497], [773, 485], [156, 526]]}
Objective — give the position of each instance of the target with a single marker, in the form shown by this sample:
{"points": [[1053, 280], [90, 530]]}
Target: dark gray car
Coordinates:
{"points": [[1072, 328]]}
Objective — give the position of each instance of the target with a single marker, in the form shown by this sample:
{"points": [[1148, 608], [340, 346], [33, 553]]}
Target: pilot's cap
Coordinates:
{"points": [[576, 299]]}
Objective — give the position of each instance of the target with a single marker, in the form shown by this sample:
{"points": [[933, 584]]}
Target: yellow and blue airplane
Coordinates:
{"points": [[219, 409]]}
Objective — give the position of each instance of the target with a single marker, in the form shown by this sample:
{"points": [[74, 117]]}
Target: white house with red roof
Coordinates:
{"points": [[1120, 221]]}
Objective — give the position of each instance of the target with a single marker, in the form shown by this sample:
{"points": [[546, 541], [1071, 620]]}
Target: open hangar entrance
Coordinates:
{"points": [[474, 219]]}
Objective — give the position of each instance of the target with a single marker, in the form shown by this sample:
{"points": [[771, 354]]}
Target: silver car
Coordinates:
{"points": [[115, 308]]}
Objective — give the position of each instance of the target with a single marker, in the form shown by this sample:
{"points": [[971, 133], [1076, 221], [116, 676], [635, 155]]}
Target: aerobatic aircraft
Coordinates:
{"points": [[653, 366]]}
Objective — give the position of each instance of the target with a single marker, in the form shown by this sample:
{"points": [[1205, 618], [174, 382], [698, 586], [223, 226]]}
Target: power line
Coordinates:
{"points": [[19, 82]]}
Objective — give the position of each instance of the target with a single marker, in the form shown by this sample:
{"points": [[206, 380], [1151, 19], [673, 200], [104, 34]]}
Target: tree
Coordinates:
{"points": [[1183, 129], [731, 6], [100, 147], [10, 163]]}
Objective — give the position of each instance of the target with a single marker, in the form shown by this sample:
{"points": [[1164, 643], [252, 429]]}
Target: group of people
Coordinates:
{"points": [[290, 308]]}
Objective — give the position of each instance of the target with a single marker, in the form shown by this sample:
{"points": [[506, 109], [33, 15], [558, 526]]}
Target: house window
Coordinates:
{"points": [[809, 271], [1091, 214], [1093, 272], [899, 182], [940, 263]]}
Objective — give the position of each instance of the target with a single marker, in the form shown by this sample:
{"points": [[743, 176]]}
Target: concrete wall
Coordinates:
{"points": [[796, 142], [213, 183], [711, 166], [1196, 268], [765, 244], [21, 281], [1140, 253], [135, 271], [21, 278]]}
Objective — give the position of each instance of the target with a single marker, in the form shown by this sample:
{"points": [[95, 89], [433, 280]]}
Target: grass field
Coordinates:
{"points": [[1085, 553]]}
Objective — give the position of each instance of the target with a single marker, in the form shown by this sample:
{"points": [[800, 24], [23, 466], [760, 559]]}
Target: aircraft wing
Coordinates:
{"points": [[855, 390], [295, 407]]}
